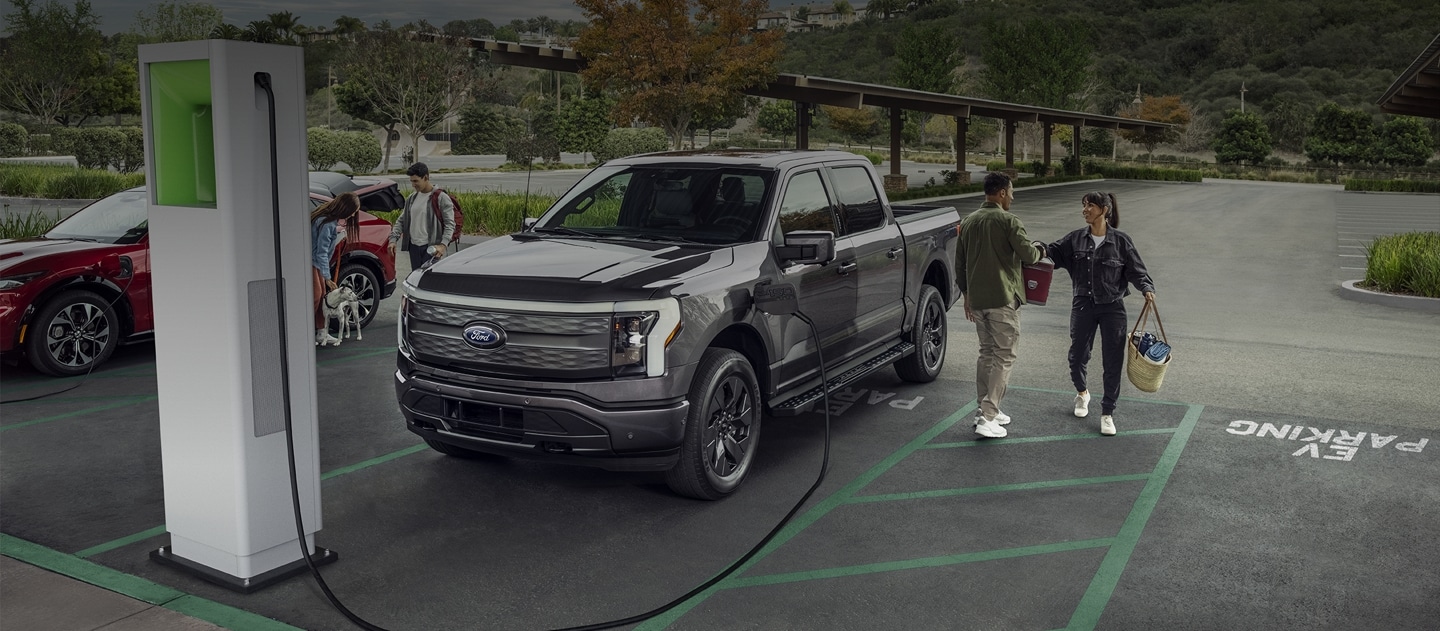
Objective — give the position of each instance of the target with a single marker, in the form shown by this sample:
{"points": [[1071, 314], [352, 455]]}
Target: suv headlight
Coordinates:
{"points": [[628, 332]]}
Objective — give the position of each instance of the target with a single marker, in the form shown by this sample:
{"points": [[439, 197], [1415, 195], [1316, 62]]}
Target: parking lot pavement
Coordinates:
{"points": [[1234, 498]]}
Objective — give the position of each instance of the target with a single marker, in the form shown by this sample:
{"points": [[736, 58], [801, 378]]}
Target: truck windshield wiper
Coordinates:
{"points": [[660, 237], [567, 230]]}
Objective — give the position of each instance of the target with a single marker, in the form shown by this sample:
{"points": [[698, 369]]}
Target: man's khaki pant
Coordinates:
{"points": [[999, 331]]}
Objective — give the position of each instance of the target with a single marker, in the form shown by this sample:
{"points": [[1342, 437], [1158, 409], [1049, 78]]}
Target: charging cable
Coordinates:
{"points": [[85, 327], [262, 79]]}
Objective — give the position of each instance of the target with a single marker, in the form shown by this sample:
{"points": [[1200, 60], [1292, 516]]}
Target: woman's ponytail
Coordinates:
{"points": [[1113, 217]]}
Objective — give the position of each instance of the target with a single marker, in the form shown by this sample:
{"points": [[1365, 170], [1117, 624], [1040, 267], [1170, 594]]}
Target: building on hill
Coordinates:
{"points": [[808, 17]]}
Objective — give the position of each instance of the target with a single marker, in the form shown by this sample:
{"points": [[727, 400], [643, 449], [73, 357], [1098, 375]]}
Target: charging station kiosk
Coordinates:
{"points": [[214, 180]]}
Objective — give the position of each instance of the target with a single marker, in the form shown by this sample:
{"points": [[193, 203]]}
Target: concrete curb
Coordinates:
{"points": [[1349, 291]]}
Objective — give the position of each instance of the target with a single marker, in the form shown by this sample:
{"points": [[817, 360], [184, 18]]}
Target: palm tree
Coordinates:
{"points": [[346, 25], [284, 23], [227, 31], [261, 32]]}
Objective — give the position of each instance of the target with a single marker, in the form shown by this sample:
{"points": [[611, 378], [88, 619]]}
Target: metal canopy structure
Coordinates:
{"points": [[1416, 92], [807, 92]]}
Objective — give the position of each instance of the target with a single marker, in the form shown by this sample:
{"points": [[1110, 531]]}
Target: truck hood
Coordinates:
{"points": [[572, 270]]}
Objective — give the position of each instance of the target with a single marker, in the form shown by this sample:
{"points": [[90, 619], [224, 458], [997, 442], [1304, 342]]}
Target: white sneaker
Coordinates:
{"points": [[1107, 425], [990, 429], [1001, 418], [1082, 404]]}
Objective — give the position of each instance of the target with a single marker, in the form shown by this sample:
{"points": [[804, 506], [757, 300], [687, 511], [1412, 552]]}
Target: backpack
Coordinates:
{"points": [[459, 215]]}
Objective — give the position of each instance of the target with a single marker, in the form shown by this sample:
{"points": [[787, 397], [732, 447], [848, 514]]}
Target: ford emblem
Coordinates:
{"points": [[484, 335]]}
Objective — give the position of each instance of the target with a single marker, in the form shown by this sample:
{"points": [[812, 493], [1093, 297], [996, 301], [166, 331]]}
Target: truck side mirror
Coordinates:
{"points": [[529, 224], [807, 246]]}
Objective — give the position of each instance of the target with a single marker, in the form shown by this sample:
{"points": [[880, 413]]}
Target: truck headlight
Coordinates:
{"points": [[628, 332]]}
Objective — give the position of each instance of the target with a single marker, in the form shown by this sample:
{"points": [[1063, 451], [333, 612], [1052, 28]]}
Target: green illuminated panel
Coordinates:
{"points": [[183, 135]]}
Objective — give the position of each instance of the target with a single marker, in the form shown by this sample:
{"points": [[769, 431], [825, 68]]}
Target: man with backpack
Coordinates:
{"points": [[427, 224]]}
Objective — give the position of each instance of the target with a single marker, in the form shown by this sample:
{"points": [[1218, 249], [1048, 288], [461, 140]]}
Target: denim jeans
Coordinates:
{"points": [[1110, 319]]}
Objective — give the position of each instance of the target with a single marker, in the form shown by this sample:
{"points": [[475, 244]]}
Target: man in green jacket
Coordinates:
{"points": [[992, 249]]}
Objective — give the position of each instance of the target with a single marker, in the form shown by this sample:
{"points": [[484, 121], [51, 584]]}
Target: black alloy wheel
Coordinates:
{"points": [[929, 336], [722, 430], [74, 332]]}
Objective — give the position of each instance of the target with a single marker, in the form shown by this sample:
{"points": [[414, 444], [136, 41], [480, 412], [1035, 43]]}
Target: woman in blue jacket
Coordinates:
{"points": [[323, 236], [1101, 261]]}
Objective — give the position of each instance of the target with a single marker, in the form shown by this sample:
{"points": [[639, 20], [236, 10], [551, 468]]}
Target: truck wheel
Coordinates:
{"points": [[924, 365], [367, 289], [73, 333], [722, 429]]}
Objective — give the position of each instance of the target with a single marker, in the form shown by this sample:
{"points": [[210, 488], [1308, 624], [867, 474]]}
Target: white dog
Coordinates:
{"points": [[344, 305]]}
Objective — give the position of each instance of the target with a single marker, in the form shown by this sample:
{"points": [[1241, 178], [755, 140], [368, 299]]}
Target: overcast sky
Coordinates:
{"points": [[117, 15]]}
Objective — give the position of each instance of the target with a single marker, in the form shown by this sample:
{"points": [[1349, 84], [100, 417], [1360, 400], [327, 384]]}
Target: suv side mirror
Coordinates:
{"points": [[529, 223], [803, 247]]}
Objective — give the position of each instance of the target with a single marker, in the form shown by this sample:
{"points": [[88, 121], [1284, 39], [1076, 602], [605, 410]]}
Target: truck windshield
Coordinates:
{"points": [[718, 206]]}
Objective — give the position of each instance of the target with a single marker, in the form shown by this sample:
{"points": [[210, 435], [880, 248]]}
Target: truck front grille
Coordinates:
{"points": [[537, 344]]}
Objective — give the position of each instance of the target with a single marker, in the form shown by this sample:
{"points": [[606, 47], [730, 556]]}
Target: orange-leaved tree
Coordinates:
{"points": [[1159, 109], [671, 61]]}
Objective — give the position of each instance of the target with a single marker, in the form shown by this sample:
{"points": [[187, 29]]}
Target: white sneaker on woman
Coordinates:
{"points": [[1082, 404], [1107, 425]]}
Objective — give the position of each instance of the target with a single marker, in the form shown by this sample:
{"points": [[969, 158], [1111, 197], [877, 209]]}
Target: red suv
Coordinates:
{"points": [[70, 296]]}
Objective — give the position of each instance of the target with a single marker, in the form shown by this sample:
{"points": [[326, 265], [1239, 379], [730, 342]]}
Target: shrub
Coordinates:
{"points": [[63, 139], [873, 157], [63, 182], [995, 166], [942, 191], [39, 144], [360, 150], [629, 141], [1406, 263], [484, 130], [99, 147], [32, 224], [13, 139], [1143, 173], [132, 154], [324, 148], [524, 149], [1393, 186]]}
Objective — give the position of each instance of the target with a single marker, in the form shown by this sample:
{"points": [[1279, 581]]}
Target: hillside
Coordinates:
{"points": [[1298, 51]]}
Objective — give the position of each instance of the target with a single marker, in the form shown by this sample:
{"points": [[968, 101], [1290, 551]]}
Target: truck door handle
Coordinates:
{"points": [[894, 252], [847, 267]]}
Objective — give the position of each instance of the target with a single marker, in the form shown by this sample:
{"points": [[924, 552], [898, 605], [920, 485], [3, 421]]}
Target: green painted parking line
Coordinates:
{"points": [[999, 488], [839, 498], [895, 566], [374, 461], [1047, 439], [136, 587], [1102, 586], [98, 408], [121, 542]]}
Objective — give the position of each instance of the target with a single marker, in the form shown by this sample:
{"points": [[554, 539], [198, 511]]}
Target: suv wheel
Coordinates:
{"points": [[722, 429], [929, 333], [362, 280], [76, 331]]}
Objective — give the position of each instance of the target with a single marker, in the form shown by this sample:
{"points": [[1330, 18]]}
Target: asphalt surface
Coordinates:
{"points": [[1281, 479]]}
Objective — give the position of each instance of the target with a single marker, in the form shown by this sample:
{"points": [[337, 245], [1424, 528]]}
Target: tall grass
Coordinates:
{"points": [[63, 182], [1406, 263], [31, 224], [491, 213]]}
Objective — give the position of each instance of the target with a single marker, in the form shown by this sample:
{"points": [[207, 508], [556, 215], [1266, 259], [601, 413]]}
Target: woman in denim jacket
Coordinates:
{"points": [[1101, 261], [324, 234]]}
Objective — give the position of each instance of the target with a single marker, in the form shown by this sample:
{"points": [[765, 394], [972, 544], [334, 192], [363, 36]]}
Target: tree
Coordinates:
{"points": [[1158, 109], [401, 80], [884, 9], [346, 25], [582, 125], [1404, 141], [1038, 62], [1289, 121], [1340, 135], [484, 128], [777, 117], [287, 26], [352, 99], [1243, 138], [227, 31], [669, 61], [53, 61], [855, 124], [175, 21], [926, 57]]}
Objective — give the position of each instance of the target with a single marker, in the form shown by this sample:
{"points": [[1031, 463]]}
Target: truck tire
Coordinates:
{"points": [[929, 335], [72, 334], [722, 429]]}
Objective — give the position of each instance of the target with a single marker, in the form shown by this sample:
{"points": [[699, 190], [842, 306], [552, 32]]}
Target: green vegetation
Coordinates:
{"points": [[1111, 171], [491, 213], [1393, 186], [961, 189], [31, 224], [63, 182], [1405, 264]]}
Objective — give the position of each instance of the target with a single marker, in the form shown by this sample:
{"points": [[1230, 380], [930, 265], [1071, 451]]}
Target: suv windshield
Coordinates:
{"points": [[718, 206], [119, 218]]}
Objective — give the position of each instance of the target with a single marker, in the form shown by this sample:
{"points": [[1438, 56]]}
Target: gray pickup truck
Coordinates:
{"points": [[621, 329]]}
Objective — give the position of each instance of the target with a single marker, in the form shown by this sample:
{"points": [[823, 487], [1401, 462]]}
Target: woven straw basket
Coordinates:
{"points": [[1145, 373]]}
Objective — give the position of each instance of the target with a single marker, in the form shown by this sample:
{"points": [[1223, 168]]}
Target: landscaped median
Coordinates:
{"points": [[1401, 270], [1393, 186], [63, 182]]}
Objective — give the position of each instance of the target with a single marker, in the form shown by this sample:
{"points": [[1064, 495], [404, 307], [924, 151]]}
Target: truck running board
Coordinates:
{"points": [[801, 402]]}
